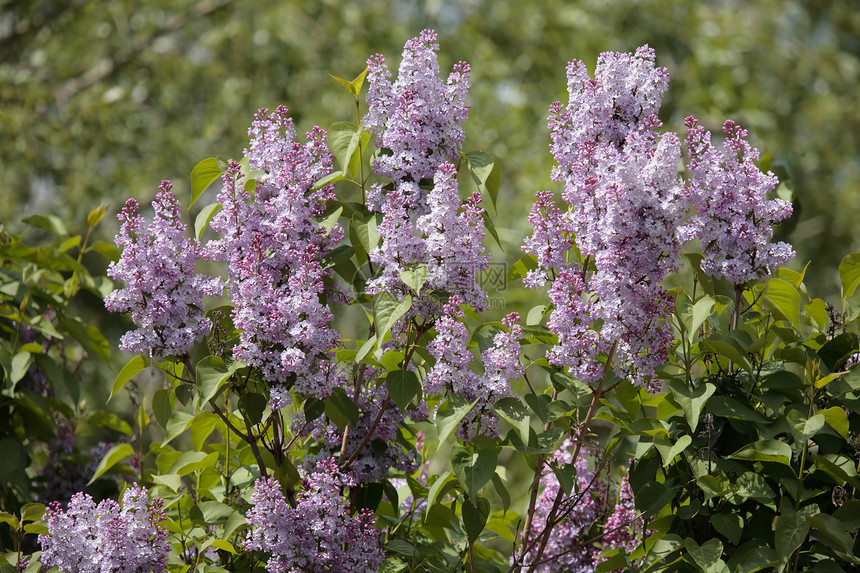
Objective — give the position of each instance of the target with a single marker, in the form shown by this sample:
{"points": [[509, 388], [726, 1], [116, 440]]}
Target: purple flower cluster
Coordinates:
{"points": [[273, 247], [162, 292], [568, 549], [319, 533], [417, 120], [106, 538], [445, 240], [624, 527], [622, 206], [733, 215], [451, 372], [372, 463]]}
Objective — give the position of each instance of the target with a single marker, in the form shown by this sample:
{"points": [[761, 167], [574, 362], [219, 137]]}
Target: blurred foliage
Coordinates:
{"points": [[101, 100]]}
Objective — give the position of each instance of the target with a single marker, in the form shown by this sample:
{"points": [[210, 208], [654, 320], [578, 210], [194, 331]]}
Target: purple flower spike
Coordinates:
{"points": [[319, 533], [162, 292], [105, 538], [733, 217]]}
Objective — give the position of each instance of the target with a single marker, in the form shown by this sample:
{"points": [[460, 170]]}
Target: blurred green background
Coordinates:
{"points": [[101, 100]]}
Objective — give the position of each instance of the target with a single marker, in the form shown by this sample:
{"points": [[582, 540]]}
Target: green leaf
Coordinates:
{"points": [[212, 375], [729, 348], [116, 454], [193, 461], [252, 405], [475, 517], [132, 367], [211, 513], [791, 531], [9, 518], [765, 451], [402, 385], [802, 428], [485, 173], [162, 405], [444, 482], [387, 310], [473, 470], [341, 410], [849, 273], [176, 424], [512, 411], [725, 407], [691, 401], [204, 217], [96, 215], [37, 528], [202, 176], [502, 491], [173, 481], [834, 530], [32, 512], [784, 297], [344, 140], [328, 180], [447, 417], [707, 555], [756, 559], [668, 451], [49, 223], [330, 220], [729, 524], [837, 419], [415, 278]]}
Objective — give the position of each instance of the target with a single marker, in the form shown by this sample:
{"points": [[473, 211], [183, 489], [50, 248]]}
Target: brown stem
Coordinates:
{"points": [[370, 431], [550, 520], [248, 438]]}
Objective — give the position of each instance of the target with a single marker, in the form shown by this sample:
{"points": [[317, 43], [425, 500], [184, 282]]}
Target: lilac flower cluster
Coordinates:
{"points": [[624, 527], [449, 245], [316, 535], [162, 292], [568, 548], [106, 538], [417, 120], [372, 463], [273, 247], [622, 206], [451, 372], [733, 215]]}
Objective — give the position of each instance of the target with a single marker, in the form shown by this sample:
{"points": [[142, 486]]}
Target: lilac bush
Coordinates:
{"points": [[383, 420]]}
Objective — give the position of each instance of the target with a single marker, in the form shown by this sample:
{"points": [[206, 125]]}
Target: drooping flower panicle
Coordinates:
{"points": [[106, 538], [734, 217], [162, 292], [318, 534], [273, 246]]}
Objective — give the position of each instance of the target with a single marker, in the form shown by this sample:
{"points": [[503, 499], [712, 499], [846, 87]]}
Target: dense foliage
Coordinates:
{"points": [[316, 385]]}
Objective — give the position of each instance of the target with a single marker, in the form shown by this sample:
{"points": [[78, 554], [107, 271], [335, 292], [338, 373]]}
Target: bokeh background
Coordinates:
{"points": [[100, 100]]}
